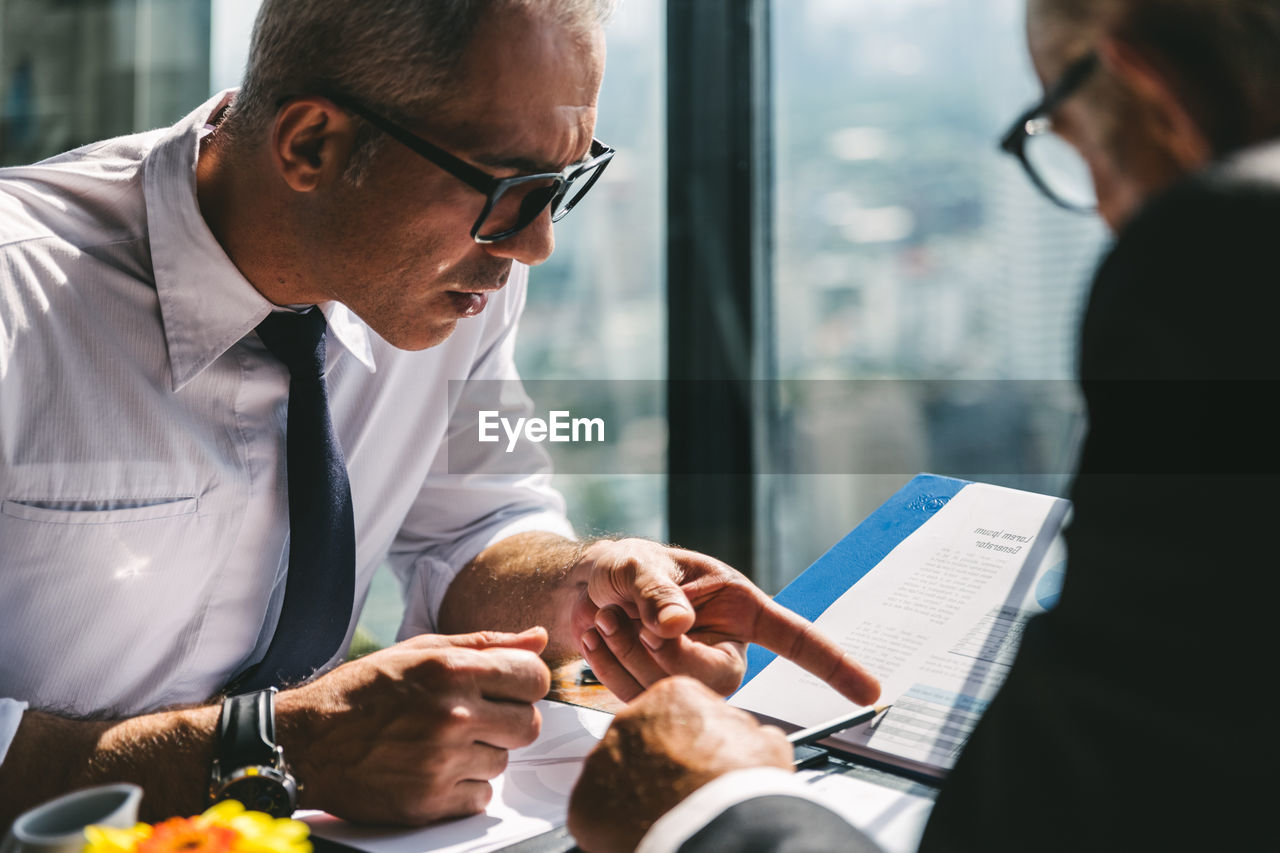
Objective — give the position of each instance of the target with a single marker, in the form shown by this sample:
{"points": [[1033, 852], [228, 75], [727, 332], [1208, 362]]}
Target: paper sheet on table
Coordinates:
{"points": [[937, 621], [894, 817], [530, 798]]}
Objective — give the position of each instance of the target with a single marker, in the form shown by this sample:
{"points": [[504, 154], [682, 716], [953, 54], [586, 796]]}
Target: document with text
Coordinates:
{"points": [[938, 621]]}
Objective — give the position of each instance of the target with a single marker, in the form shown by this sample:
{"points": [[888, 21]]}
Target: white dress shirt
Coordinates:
{"points": [[144, 534]]}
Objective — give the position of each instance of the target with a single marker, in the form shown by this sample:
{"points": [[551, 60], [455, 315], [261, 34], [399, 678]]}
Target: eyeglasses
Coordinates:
{"points": [[513, 203], [1055, 167]]}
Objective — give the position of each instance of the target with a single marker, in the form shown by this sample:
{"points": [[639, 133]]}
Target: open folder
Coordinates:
{"points": [[930, 593]]}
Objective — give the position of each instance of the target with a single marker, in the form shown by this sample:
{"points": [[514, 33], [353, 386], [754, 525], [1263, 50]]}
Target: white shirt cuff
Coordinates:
{"points": [[702, 806], [10, 716]]}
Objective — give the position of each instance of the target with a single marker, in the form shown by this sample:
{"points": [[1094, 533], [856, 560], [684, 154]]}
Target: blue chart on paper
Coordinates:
{"points": [[1049, 587]]}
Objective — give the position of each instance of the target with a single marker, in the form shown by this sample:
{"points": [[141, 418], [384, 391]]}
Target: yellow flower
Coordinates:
{"points": [[260, 832], [109, 839], [225, 827]]}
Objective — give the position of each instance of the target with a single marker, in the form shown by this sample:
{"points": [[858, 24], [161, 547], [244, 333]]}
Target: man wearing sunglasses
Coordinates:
{"points": [[225, 356], [1128, 720]]}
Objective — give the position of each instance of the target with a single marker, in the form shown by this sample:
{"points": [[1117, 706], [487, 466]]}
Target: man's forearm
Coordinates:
{"points": [[167, 753], [517, 583]]}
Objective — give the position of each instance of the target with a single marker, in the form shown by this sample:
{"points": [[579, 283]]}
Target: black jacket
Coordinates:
{"points": [[1138, 714]]}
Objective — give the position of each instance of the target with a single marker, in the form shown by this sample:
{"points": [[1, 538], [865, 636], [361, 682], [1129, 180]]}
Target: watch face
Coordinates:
{"points": [[260, 794]]}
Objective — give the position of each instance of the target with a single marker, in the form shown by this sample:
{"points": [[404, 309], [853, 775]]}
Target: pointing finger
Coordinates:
{"points": [[796, 639]]}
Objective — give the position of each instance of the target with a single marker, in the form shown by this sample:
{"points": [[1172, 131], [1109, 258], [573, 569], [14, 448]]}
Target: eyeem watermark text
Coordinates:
{"points": [[561, 427]]}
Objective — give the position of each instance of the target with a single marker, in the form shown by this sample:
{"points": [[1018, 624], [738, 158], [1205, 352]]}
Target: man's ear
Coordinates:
{"points": [[311, 143], [1151, 82]]}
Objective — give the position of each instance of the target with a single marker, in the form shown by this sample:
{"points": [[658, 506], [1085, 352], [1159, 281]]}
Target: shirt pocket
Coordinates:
{"points": [[99, 512], [102, 599]]}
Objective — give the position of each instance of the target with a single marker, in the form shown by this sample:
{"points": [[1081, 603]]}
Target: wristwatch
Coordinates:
{"points": [[249, 765]]}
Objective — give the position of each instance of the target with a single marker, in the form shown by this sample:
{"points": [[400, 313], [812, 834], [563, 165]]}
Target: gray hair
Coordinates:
{"points": [[397, 56], [1223, 55]]}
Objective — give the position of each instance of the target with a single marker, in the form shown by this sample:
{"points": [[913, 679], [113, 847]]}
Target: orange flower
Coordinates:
{"points": [[189, 835]]}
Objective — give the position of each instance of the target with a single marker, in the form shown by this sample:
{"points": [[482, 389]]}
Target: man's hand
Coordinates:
{"points": [[413, 733], [671, 741], [646, 611]]}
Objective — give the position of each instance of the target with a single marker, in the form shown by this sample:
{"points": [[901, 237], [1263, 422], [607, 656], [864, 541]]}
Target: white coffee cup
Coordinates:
{"points": [[58, 825]]}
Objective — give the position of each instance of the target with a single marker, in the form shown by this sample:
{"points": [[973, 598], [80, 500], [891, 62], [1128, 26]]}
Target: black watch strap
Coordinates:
{"points": [[247, 730]]}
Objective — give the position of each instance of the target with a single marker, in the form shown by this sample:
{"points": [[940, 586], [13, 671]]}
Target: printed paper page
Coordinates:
{"points": [[936, 621], [893, 816]]}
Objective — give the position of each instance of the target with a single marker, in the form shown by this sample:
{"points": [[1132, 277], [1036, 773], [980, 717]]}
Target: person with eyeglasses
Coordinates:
{"points": [[226, 351], [1134, 717]]}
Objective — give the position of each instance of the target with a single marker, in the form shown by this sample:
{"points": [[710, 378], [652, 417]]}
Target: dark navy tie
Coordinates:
{"points": [[320, 587]]}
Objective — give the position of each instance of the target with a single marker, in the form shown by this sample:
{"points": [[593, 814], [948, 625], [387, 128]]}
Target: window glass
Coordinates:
{"points": [[926, 298], [596, 308], [74, 73]]}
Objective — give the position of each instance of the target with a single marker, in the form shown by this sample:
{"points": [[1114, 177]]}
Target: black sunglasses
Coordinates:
{"points": [[511, 204], [1035, 123]]}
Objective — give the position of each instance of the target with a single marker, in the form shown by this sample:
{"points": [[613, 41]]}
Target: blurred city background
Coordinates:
{"points": [[906, 248]]}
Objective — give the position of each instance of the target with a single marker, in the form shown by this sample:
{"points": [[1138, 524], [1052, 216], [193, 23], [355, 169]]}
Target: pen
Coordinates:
{"points": [[839, 724]]}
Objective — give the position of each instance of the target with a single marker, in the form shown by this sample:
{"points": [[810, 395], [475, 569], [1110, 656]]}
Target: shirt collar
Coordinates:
{"points": [[205, 303]]}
